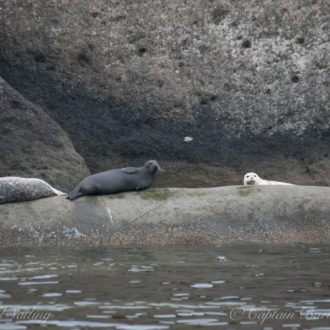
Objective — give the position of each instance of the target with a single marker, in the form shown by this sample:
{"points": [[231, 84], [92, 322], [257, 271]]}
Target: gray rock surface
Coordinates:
{"points": [[270, 214], [34, 145], [248, 81]]}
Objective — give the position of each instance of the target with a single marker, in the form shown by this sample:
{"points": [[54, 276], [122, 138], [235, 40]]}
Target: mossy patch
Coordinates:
{"points": [[119, 196], [244, 191], [200, 193], [156, 194]]}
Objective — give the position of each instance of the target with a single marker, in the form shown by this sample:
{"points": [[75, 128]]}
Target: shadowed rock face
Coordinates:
{"points": [[33, 145], [246, 80]]}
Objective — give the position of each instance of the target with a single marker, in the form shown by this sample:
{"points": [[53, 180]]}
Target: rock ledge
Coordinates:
{"points": [[173, 216]]}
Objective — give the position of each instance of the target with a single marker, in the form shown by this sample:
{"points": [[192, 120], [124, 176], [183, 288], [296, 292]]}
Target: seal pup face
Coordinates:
{"points": [[152, 166], [251, 179]]}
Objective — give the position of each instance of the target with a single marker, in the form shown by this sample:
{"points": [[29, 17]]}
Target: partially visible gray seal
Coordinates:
{"points": [[17, 189], [252, 179], [117, 180]]}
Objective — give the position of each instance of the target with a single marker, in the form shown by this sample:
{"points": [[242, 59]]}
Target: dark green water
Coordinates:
{"points": [[226, 287]]}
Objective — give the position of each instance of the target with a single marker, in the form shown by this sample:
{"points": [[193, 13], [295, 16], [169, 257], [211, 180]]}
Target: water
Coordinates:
{"points": [[225, 287]]}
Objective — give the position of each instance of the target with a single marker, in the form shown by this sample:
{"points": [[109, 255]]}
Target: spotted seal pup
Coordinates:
{"points": [[117, 180], [18, 189]]}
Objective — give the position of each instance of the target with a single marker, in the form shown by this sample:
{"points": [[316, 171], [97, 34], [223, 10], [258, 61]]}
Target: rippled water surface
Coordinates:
{"points": [[225, 287]]}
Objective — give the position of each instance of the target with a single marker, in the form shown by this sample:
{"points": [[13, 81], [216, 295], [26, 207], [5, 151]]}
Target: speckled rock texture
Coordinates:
{"points": [[175, 216], [33, 145], [223, 86]]}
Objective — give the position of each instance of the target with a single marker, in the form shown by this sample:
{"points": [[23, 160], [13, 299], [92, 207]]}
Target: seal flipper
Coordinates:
{"points": [[129, 170], [75, 193], [58, 192]]}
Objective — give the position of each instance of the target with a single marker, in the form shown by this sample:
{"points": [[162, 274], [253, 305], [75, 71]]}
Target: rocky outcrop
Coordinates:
{"points": [[176, 216], [33, 145], [226, 87]]}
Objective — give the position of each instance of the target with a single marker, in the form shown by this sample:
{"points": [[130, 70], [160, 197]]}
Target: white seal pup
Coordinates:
{"points": [[252, 179], [18, 189], [117, 180]]}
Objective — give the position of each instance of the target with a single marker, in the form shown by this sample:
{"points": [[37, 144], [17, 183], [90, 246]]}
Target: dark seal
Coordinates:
{"points": [[117, 180]]}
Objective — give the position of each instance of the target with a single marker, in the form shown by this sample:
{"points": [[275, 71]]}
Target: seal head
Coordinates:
{"points": [[152, 166], [251, 179]]}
